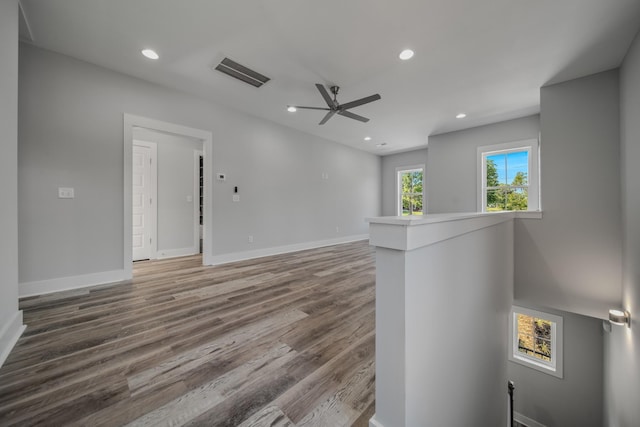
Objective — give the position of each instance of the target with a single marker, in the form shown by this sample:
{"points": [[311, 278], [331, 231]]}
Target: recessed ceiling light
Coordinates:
{"points": [[150, 53], [461, 116], [291, 109], [406, 54], [367, 138]]}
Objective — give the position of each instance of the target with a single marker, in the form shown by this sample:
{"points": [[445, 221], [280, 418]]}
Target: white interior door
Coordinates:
{"points": [[143, 201]]}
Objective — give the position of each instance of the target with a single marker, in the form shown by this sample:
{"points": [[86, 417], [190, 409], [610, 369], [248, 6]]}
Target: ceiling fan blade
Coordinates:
{"points": [[312, 108], [325, 95], [327, 117], [353, 116], [360, 101]]}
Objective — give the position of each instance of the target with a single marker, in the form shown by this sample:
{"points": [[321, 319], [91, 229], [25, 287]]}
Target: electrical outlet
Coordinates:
{"points": [[250, 239], [337, 229], [236, 197], [65, 193]]}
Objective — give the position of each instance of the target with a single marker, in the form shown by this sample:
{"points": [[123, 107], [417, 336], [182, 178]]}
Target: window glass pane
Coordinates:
{"points": [[411, 192], [496, 170], [525, 334], [517, 168], [406, 205], [416, 208], [495, 200], [543, 350], [516, 199], [534, 337], [412, 204], [543, 328], [506, 171]]}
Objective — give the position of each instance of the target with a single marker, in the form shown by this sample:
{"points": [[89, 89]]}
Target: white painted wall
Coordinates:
{"points": [[452, 171], [441, 322], [575, 399], [571, 259], [622, 346], [175, 182], [10, 317], [389, 165], [71, 126]]}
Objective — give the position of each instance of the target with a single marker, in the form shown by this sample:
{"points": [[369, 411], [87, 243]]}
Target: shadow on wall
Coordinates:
{"points": [[528, 256]]}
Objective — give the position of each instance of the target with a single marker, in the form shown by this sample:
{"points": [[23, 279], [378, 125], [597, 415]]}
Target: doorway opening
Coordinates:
{"points": [[198, 198]]}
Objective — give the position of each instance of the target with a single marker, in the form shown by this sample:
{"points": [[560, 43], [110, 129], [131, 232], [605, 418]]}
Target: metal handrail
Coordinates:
{"points": [[510, 387]]}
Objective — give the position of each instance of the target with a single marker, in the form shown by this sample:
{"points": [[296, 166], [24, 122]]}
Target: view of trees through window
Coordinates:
{"points": [[411, 183], [506, 181], [534, 337]]}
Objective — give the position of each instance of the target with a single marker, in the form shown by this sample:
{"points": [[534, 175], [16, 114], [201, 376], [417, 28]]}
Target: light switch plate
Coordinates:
{"points": [[65, 193]]}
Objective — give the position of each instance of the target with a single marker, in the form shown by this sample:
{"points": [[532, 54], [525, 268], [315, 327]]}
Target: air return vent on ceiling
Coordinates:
{"points": [[241, 72]]}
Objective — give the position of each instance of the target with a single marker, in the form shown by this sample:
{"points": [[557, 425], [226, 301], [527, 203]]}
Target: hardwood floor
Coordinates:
{"points": [[286, 340]]}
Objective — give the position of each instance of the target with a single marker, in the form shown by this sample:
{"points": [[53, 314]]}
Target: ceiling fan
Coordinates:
{"points": [[335, 107]]}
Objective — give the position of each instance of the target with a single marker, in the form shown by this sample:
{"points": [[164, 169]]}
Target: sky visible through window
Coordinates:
{"points": [[509, 164]]}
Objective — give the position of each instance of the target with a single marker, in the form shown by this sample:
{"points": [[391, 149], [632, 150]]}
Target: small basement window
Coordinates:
{"points": [[536, 340]]}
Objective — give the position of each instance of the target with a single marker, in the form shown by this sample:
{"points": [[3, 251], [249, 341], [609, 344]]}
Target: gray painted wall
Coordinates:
{"points": [[425, 374], [8, 172], [70, 132], [622, 346], [571, 259], [451, 387], [175, 165], [389, 165], [576, 399], [452, 172], [582, 383]]}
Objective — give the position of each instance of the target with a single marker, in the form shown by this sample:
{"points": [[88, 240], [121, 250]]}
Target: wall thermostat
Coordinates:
{"points": [[221, 177]]}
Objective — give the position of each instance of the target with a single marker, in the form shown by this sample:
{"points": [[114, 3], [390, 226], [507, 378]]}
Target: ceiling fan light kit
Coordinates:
{"points": [[334, 107]]}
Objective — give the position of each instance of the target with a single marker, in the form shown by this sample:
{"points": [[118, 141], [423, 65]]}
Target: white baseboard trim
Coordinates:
{"points": [[41, 287], [277, 250], [373, 422], [174, 253], [10, 334], [526, 420]]}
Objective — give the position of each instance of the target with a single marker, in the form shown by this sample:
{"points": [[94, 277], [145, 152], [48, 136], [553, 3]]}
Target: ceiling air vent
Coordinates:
{"points": [[241, 72]]}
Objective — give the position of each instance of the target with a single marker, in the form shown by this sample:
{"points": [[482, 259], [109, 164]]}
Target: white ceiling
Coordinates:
{"points": [[487, 58]]}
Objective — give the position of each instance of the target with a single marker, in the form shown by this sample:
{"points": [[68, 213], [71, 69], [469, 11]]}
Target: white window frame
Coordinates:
{"points": [[533, 177], [399, 171], [553, 367]]}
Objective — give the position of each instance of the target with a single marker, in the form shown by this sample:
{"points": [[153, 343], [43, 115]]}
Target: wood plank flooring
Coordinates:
{"points": [[286, 340]]}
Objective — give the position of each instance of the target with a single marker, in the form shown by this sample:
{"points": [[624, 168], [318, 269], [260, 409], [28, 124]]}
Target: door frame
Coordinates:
{"points": [[129, 122], [196, 199], [153, 218]]}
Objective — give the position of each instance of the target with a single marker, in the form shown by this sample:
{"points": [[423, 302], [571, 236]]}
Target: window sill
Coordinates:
{"points": [[521, 214], [540, 367], [529, 214]]}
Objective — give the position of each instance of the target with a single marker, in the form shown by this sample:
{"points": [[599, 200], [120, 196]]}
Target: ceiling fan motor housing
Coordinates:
{"points": [[335, 107]]}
